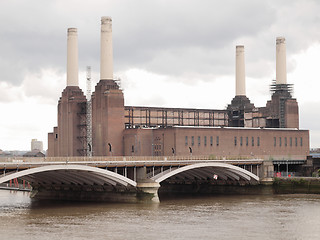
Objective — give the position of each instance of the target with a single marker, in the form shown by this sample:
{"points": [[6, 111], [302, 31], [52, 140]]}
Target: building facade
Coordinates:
{"points": [[239, 131], [36, 145], [218, 142]]}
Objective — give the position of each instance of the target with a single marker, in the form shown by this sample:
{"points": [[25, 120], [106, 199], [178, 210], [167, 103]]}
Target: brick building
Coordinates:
{"points": [[241, 130]]}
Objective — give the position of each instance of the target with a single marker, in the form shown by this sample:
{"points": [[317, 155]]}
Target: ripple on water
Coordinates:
{"points": [[219, 217]]}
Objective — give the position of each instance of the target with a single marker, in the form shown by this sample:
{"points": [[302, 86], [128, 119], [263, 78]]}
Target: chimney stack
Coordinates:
{"points": [[281, 65], [240, 72], [106, 57], [72, 58]]}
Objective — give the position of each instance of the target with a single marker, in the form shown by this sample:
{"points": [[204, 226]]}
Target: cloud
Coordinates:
{"points": [[22, 121], [45, 85], [142, 88], [10, 93], [196, 38], [167, 53], [191, 37], [142, 38]]}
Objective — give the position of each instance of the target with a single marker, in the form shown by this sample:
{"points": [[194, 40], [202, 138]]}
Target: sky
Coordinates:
{"points": [[166, 53]]}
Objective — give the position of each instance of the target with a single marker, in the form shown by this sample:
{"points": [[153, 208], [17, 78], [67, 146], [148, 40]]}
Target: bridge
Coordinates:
{"points": [[126, 178]]}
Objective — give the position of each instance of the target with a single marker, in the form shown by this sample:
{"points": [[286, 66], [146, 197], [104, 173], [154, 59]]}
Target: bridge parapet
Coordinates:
{"points": [[18, 160]]}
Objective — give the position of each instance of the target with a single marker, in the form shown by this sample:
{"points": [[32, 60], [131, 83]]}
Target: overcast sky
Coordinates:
{"points": [[167, 53]]}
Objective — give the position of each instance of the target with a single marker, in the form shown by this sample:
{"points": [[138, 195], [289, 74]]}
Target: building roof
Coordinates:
{"points": [[34, 154]]}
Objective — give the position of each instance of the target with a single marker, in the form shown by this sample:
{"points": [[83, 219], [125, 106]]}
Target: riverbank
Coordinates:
{"points": [[307, 185], [293, 185]]}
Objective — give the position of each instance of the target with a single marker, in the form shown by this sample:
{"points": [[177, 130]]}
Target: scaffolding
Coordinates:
{"points": [[284, 92], [285, 89], [82, 126], [89, 113]]}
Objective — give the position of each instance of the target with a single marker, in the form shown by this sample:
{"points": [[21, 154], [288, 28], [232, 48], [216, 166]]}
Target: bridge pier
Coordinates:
{"points": [[267, 170], [148, 191]]}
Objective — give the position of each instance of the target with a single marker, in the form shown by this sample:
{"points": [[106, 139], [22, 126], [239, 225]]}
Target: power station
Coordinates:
{"points": [[241, 130]]}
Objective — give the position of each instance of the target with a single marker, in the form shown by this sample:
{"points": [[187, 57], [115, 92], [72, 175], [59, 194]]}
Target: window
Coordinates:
{"points": [[301, 141], [296, 142], [205, 140], [274, 141], [258, 141], [192, 140], [198, 140], [217, 140], [280, 143], [285, 141], [235, 141], [211, 141], [132, 148], [247, 141], [252, 141], [240, 141], [186, 141], [290, 141], [56, 135]]}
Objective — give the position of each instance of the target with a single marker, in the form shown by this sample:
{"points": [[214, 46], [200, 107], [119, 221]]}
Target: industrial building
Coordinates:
{"points": [[36, 145], [241, 130]]}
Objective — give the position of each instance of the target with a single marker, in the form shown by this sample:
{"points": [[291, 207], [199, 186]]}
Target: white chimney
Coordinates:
{"points": [[281, 65], [106, 57], [72, 58], [240, 72]]}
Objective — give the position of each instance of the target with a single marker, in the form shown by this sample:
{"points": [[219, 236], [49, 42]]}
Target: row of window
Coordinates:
{"points": [[286, 141], [204, 141], [243, 141], [246, 141]]}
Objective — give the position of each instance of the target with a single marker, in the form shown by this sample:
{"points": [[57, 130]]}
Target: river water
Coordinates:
{"points": [[214, 217]]}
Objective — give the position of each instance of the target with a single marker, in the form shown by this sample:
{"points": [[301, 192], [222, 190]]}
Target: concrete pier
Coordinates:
{"points": [[148, 191]]}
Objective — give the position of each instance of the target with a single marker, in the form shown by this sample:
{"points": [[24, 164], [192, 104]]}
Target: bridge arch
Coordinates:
{"points": [[204, 170], [69, 174]]}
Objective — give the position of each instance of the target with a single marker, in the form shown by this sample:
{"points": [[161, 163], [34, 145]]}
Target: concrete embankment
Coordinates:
{"points": [[270, 186], [307, 185], [210, 189]]}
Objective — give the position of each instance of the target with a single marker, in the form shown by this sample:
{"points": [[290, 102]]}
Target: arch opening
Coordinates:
{"points": [[75, 175], [204, 171]]}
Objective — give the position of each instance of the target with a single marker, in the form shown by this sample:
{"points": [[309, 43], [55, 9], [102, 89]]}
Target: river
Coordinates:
{"points": [[214, 217]]}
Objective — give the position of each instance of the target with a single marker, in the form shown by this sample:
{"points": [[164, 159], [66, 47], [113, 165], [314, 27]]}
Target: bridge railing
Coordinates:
{"points": [[122, 158]]}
